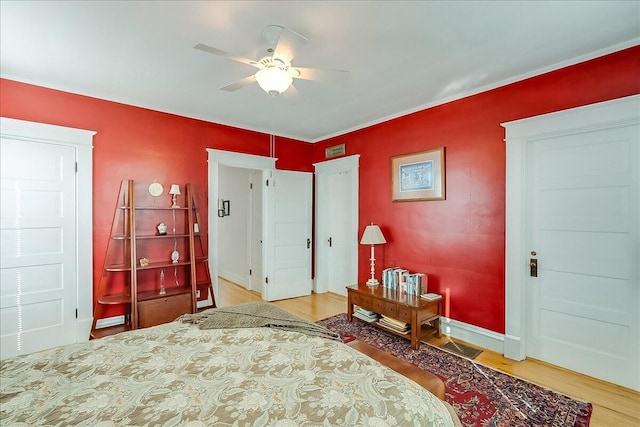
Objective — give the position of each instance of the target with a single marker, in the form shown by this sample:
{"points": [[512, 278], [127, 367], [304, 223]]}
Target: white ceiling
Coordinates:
{"points": [[402, 56]]}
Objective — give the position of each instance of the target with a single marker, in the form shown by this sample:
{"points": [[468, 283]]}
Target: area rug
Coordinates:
{"points": [[480, 395]]}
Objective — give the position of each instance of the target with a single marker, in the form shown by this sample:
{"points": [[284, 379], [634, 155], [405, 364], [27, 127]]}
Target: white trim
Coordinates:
{"points": [[82, 140], [227, 158], [337, 165], [518, 134], [472, 334]]}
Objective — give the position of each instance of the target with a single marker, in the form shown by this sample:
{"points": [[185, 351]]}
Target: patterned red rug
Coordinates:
{"points": [[480, 395]]}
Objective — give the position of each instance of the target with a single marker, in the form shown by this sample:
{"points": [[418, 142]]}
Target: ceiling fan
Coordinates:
{"points": [[275, 72]]}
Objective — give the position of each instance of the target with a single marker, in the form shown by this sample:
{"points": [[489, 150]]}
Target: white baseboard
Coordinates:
{"points": [[472, 334], [513, 348], [238, 279], [109, 321], [205, 302]]}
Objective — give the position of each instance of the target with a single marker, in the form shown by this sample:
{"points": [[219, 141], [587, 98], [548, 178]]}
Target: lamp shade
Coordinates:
{"points": [[175, 189], [372, 236], [274, 80]]}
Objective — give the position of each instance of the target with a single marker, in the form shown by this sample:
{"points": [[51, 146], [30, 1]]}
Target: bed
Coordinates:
{"points": [[184, 373]]}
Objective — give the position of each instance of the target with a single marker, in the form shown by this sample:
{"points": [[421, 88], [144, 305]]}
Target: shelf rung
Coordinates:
{"points": [[170, 291], [117, 268], [115, 299]]}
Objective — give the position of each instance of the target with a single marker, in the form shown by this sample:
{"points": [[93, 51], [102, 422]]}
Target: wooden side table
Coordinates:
{"points": [[391, 303]]}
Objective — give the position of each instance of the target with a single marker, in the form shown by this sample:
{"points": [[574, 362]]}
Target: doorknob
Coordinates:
{"points": [[308, 243], [533, 267], [330, 241]]}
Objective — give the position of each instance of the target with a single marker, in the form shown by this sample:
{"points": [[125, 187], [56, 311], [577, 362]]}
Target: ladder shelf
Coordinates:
{"points": [[149, 277]]}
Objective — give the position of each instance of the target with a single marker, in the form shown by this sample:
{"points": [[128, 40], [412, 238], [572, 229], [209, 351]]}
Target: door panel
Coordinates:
{"points": [[584, 232], [38, 285], [336, 219], [287, 234], [341, 262]]}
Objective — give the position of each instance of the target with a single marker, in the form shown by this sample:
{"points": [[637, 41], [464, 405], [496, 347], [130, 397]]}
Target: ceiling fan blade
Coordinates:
{"points": [[209, 49], [288, 44], [239, 84], [320, 74], [292, 95]]}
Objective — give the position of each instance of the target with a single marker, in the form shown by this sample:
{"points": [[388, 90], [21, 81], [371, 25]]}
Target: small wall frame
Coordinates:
{"points": [[418, 176]]}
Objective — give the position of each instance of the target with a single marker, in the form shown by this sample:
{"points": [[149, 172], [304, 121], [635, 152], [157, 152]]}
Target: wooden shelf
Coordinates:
{"points": [[112, 268], [120, 237], [159, 208], [169, 291], [163, 264], [143, 308], [115, 299], [161, 236]]}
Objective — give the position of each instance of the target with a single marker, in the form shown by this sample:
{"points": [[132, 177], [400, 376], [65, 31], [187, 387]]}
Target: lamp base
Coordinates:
{"points": [[372, 282]]}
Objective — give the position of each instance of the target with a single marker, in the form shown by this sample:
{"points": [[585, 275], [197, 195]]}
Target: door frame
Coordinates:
{"points": [[232, 159], [350, 163], [254, 281], [82, 141], [519, 134]]}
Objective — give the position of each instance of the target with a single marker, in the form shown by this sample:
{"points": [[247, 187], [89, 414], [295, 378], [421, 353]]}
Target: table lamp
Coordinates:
{"points": [[372, 236], [174, 191]]}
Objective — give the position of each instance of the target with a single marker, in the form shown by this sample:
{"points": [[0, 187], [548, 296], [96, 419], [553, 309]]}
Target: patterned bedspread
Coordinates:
{"points": [[177, 374]]}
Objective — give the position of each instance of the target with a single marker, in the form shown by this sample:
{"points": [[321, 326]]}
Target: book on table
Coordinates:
{"points": [[394, 324], [431, 296], [366, 315]]}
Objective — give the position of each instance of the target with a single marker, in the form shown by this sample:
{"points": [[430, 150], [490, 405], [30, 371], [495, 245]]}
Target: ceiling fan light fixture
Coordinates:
{"points": [[274, 80]]}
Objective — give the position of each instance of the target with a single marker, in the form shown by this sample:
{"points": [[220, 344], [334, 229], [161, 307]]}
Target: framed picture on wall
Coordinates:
{"points": [[418, 176]]}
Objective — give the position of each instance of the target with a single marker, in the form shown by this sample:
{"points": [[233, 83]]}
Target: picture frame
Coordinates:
{"points": [[418, 176]]}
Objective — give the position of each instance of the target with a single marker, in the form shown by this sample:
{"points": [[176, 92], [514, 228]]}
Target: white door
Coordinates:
{"points": [[287, 234], [38, 283], [336, 224], [584, 235], [255, 232]]}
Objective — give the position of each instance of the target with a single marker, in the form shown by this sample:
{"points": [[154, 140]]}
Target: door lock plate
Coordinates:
{"points": [[533, 267]]}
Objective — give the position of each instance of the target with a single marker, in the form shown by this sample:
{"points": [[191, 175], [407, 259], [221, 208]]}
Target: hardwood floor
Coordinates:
{"points": [[613, 406]]}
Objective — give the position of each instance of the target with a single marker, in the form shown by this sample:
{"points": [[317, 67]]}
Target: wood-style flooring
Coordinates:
{"points": [[613, 406]]}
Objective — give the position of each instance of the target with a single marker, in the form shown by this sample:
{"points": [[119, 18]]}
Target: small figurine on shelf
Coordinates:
{"points": [[162, 229], [162, 289], [144, 262], [174, 257]]}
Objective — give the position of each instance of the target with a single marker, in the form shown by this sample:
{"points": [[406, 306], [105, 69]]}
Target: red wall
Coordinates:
{"points": [[460, 242], [140, 144]]}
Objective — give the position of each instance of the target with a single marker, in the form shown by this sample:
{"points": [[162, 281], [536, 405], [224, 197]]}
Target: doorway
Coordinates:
{"points": [[233, 160], [240, 228], [286, 224]]}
